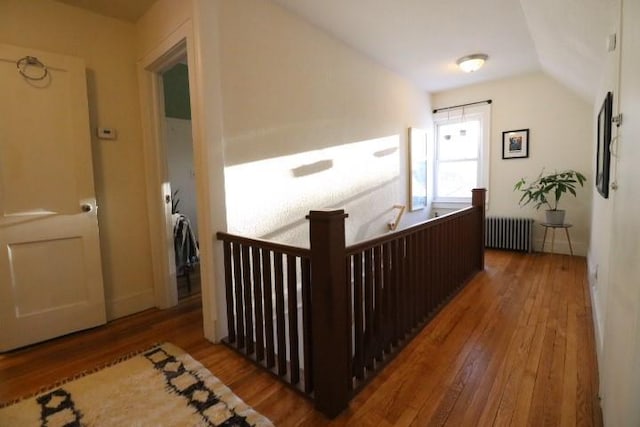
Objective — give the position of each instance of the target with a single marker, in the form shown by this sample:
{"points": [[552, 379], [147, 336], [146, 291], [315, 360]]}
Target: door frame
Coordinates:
{"points": [[165, 55]]}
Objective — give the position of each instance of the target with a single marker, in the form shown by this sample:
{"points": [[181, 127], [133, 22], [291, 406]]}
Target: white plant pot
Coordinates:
{"points": [[555, 217]]}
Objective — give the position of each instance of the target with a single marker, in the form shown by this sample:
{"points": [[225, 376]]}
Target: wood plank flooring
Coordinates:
{"points": [[515, 347]]}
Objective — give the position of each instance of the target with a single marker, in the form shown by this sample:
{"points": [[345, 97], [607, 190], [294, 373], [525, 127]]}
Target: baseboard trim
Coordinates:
{"points": [[130, 304]]}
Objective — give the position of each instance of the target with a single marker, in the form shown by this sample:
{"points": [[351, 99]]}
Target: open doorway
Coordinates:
{"points": [[207, 165], [181, 173]]}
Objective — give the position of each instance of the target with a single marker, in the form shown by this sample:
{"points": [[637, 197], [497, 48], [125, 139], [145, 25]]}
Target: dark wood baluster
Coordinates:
{"points": [[399, 307], [426, 281], [368, 308], [292, 298], [280, 326], [434, 258], [457, 257], [401, 288], [248, 310], [444, 270], [228, 282], [413, 280], [358, 366], [350, 304], [395, 295], [379, 307], [307, 328], [268, 307], [387, 297], [422, 274], [409, 298], [452, 255], [237, 275], [257, 292]]}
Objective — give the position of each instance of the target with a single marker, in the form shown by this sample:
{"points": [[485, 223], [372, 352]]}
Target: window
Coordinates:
{"points": [[461, 153]]}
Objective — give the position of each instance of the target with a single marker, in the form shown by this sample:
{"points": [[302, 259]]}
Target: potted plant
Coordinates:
{"points": [[546, 190]]}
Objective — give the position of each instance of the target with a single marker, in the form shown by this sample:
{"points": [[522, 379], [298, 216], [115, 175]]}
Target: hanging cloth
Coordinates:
{"points": [[185, 243]]}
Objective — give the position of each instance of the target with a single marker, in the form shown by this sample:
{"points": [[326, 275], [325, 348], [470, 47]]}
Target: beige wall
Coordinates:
{"points": [[309, 123], [108, 48], [561, 137], [164, 17]]}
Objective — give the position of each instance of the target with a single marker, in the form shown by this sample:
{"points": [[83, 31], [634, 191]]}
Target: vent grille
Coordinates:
{"points": [[509, 233]]}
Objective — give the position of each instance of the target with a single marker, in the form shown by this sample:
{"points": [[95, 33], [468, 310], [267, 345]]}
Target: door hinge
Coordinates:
{"points": [[617, 119]]}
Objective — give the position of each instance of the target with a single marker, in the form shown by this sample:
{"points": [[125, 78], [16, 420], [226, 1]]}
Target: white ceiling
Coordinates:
{"points": [[422, 39]]}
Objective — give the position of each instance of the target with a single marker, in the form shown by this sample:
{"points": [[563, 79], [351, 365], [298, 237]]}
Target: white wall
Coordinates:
{"points": [[598, 259], [560, 137], [181, 173], [620, 351], [309, 123], [108, 48]]}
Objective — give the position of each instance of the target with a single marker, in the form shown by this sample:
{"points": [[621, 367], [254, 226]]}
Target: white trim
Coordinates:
{"points": [[166, 54], [152, 107], [483, 112], [206, 96], [451, 204], [596, 316]]}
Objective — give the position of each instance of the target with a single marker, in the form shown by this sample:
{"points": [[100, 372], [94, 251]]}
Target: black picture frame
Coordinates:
{"points": [[603, 157], [515, 144]]}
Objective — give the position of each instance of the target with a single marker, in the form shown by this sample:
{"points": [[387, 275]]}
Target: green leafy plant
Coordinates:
{"points": [[548, 189]]}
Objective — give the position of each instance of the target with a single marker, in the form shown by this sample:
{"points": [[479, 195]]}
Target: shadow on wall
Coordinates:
{"points": [[264, 197], [312, 168], [291, 139], [362, 231]]}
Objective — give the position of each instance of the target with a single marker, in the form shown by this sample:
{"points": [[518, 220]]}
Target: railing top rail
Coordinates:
{"points": [[264, 244], [432, 222]]}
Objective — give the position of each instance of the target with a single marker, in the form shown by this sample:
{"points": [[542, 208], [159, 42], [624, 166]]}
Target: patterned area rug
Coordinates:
{"points": [[163, 386]]}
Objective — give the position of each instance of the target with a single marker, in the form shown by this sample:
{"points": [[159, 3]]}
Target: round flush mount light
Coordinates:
{"points": [[471, 63]]}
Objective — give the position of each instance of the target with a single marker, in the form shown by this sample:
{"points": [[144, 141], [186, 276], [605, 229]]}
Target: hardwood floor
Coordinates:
{"points": [[515, 347]]}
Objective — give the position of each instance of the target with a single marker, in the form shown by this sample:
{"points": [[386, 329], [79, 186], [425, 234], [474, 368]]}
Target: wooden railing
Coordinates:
{"points": [[326, 319], [261, 281]]}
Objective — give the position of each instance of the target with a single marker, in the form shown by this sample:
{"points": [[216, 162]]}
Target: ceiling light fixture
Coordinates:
{"points": [[471, 63]]}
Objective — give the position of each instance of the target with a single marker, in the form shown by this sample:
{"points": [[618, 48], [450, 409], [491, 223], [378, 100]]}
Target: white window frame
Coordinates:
{"points": [[481, 112]]}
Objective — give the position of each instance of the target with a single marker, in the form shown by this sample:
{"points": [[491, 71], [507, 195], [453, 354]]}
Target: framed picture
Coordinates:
{"points": [[515, 144], [417, 169], [604, 153]]}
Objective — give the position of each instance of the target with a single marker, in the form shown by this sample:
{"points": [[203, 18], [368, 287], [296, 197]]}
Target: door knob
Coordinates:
{"points": [[86, 207]]}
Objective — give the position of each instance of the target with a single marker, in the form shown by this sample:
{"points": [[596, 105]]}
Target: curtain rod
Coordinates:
{"points": [[486, 101]]}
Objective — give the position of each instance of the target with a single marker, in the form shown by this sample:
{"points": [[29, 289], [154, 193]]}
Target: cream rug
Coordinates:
{"points": [[163, 386]]}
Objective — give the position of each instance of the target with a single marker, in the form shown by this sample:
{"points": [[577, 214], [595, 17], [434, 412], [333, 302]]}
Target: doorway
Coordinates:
{"points": [[208, 166], [181, 174]]}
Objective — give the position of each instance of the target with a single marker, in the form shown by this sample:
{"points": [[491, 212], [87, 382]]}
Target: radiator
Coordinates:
{"points": [[509, 233]]}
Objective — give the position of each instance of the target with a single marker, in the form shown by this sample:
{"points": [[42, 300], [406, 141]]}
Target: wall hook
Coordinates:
{"points": [[27, 61]]}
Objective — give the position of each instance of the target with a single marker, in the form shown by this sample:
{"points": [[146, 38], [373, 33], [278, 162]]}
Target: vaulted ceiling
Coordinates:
{"points": [[422, 39]]}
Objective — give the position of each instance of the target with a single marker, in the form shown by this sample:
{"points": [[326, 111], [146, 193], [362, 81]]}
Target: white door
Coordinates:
{"points": [[50, 271]]}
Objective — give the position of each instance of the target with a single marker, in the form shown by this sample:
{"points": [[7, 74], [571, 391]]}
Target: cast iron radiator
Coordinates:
{"points": [[509, 233]]}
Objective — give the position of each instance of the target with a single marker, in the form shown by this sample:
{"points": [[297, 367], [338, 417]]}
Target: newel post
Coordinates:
{"points": [[478, 199], [331, 326]]}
